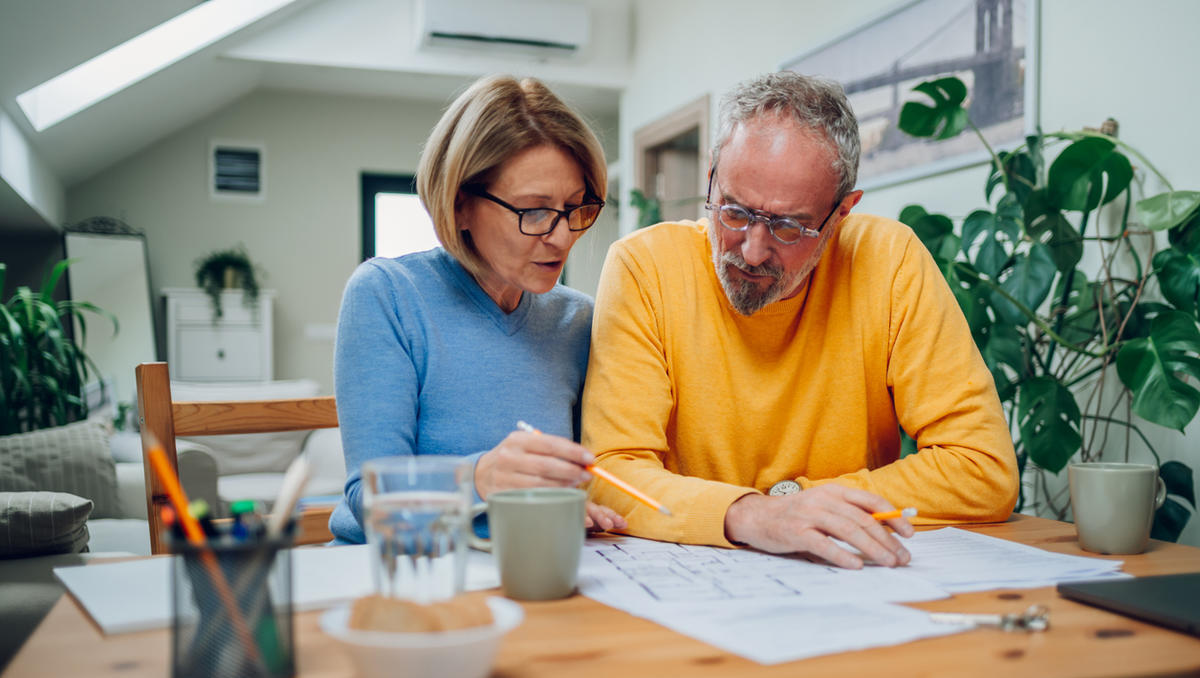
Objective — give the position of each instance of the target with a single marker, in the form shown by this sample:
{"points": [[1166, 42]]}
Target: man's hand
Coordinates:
{"points": [[808, 522]]}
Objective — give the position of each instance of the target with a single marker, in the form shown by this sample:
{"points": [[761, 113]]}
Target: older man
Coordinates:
{"points": [[751, 371]]}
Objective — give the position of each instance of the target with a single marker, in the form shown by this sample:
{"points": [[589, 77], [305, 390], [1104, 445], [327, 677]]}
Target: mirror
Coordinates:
{"points": [[112, 271]]}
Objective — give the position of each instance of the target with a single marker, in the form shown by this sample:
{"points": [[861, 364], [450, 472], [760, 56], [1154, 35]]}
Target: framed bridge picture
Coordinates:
{"points": [[991, 45]]}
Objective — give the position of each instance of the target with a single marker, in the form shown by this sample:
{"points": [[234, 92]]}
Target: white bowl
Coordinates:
{"points": [[465, 653]]}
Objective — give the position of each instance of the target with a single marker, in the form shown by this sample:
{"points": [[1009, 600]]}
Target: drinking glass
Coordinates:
{"points": [[415, 511]]}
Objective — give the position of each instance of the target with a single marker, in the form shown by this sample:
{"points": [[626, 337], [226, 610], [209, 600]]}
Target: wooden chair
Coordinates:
{"points": [[164, 419]]}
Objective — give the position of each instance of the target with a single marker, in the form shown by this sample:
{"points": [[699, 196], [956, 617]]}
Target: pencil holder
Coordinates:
{"points": [[232, 609]]}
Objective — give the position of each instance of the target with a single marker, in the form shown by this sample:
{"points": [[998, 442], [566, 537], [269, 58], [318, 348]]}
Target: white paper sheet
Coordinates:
{"points": [[959, 561], [637, 574], [135, 595], [773, 609]]}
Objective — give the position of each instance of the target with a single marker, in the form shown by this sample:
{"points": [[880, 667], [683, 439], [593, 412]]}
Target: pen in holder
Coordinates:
{"points": [[257, 575]]}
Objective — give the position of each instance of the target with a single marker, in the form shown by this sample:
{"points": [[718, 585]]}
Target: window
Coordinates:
{"points": [[394, 221], [138, 58]]}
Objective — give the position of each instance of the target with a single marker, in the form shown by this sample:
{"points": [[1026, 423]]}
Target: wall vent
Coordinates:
{"points": [[237, 170]]}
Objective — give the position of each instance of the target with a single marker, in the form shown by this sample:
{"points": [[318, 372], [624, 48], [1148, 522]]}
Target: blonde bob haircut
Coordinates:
{"points": [[496, 118]]}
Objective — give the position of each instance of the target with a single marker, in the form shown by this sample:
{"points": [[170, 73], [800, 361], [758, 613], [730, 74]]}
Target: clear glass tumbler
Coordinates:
{"points": [[416, 514]]}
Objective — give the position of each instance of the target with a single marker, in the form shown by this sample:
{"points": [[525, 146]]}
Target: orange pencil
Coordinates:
{"points": [[616, 482], [898, 513], [195, 536]]}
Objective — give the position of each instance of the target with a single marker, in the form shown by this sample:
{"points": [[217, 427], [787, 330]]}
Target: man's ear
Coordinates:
{"points": [[848, 203]]}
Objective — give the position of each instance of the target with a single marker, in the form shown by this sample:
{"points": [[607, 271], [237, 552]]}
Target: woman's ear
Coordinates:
{"points": [[460, 212]]}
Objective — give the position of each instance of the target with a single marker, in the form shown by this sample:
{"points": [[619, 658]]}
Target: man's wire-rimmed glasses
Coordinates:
{"points": [[784, 229], [543, 220]]}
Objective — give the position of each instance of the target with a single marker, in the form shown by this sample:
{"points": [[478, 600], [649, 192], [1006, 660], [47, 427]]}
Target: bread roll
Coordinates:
{"points": [[380, 613]]}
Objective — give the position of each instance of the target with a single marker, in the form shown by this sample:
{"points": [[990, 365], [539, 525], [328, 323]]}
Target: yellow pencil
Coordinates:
{"points": [[898, 513], [616, 482]]}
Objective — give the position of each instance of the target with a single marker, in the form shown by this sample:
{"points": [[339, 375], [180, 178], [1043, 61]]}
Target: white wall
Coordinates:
{"points": [[27, 176], [306, 233], [1099, 58]]}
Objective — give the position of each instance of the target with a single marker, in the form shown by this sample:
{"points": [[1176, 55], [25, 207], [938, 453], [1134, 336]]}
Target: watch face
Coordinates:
{"points": [[783, 487]]}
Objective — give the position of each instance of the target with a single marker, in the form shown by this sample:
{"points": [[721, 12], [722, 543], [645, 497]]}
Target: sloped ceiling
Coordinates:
{"points": [[359, 47]]}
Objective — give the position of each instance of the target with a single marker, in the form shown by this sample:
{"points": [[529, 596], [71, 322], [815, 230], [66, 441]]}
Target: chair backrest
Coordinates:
{"points": [[163, 419]]}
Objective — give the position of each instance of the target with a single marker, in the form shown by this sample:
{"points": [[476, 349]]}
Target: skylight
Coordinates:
{"points": [[99, 78]]}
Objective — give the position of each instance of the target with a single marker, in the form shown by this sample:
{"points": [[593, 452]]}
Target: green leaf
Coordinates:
{"points": [[1177, 476], [1151, 367], [972, 297], [1048, 419], [1046, 224], [1081, 317], [945, 118], [1022, 175], [935, 231], [1178, 276], [52, 279], [1186, 236], [979, 232], [1167, 210], [1029, 283], [1005, 347], [1088, 173], [1169, 521]]}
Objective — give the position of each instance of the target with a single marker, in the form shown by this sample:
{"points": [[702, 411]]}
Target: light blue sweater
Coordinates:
{"points": [[426, 363]]}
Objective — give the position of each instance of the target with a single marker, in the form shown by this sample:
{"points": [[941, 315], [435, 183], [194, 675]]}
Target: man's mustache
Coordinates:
{"points": [[734, 259]]}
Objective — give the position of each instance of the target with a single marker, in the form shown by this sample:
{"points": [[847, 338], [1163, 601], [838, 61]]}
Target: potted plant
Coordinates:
{"points": [[1050, 331], [42, 369], [227, 269]]}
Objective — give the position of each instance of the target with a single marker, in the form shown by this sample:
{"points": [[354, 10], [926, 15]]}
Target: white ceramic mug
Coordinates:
{"points": [[1114, 505]]}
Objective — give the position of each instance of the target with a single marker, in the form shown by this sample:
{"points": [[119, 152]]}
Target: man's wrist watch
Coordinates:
{"points": [[783, 488]]}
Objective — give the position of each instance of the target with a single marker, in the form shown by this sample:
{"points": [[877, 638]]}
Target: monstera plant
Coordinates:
{"points": [[1051, 329]]}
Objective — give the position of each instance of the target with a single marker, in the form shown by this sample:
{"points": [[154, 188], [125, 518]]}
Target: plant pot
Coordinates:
{"points": [[232, 278]]}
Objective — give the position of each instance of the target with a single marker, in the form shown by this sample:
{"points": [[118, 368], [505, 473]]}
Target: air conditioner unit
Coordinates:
{"points": [[535, 28]]}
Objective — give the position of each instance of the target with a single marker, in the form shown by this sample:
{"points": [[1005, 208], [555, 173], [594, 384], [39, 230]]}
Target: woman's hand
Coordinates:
{"points": [[532, 460], [603, 518]]}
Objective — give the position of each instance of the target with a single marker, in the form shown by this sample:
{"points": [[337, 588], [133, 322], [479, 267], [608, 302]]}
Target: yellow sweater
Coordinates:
{"points": [[698, 405]]}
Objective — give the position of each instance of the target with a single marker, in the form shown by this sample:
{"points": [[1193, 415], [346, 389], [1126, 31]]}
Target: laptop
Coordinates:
{"points": [[1171, 600]]}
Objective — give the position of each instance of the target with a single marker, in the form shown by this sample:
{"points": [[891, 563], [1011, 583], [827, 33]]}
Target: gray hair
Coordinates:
{"points": [[815, 103]]}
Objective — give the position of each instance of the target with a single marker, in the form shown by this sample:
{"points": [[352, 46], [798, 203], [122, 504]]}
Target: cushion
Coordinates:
{"points": [[252, 452], [74, 458], [42, 523]]}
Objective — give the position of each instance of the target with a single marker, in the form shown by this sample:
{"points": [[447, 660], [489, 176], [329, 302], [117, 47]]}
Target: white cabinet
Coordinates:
{"points": [[238, 347]]}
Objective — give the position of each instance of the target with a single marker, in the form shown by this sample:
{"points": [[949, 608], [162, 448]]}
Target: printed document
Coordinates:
{"points": [[772, 608]]}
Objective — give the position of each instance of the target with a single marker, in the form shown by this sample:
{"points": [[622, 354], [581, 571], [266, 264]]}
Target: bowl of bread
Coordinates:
{"points": [[404, 639]]}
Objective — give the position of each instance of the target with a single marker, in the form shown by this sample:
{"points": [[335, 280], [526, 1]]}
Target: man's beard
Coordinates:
{"points": [[745, 296]]}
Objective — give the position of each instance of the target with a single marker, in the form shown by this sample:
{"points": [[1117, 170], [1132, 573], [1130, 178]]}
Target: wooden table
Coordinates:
{"points": [[579, 637]]}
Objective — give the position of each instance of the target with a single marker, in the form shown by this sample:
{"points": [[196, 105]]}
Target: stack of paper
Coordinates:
{"points": [[957, 561]]}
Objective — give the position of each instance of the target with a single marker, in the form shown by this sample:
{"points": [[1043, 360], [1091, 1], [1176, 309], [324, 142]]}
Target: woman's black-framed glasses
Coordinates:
{"points": [[543, 220], [784, 229]]}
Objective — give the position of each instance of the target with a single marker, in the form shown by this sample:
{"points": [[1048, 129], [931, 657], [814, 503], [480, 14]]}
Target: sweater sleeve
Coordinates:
{"points": [[628, 405], [965, 469], [375, 379]]}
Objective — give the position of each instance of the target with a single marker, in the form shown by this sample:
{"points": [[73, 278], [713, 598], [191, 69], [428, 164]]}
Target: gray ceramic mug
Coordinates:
{"points": [[537, 538], [1114, 505]]}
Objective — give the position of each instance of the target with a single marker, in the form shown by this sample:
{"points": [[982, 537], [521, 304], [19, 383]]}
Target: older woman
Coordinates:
{"points": [[442, 352]]}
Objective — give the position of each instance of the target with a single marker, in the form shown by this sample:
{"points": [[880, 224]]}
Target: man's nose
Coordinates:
{"points": [[756, 246]]}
